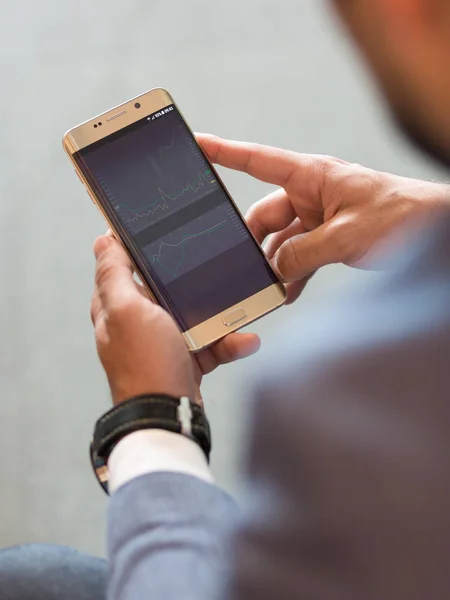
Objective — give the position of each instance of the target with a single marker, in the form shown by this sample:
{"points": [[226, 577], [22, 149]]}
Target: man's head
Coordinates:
{"points": [[407, 44]]}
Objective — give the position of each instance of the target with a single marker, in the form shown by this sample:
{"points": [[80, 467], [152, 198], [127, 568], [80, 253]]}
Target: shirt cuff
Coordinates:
{"points": [[153, 450]]}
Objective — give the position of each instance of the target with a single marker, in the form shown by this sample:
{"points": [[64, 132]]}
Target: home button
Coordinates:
{"points": [[234, 316]]}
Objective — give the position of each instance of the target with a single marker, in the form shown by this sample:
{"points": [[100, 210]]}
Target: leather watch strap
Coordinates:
{"points": [[152, 411]]}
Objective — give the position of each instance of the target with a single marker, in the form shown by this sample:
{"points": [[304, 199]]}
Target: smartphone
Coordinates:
{"points": [[165, 202]]}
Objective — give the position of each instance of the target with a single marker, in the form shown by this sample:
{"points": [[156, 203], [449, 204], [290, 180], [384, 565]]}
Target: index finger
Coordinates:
{"points": [[305, 174], [114, 274], [268, 164]]}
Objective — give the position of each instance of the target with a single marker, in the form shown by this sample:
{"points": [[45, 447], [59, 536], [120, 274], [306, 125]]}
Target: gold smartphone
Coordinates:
{"points": [[190, 246]]}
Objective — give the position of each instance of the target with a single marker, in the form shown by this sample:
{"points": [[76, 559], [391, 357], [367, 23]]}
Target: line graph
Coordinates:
{"points": [[156, 185], [153, 173], [204, 178], [157, 258], [193, 243], [162, 149]]}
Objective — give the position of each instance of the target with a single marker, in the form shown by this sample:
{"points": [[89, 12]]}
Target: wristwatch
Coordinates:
{"points": [[149, 411]]}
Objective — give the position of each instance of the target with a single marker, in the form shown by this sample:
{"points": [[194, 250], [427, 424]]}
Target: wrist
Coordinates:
{"points": [[145, 412], [435, 198], [122, 391]]}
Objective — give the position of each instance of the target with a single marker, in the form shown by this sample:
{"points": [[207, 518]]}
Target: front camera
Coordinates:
{"points": [[137, 105]]}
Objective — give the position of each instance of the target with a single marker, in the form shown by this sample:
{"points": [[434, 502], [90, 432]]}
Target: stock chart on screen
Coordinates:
{"points": [[168, 198], [187, 247], [174, 217], [173, 176]]}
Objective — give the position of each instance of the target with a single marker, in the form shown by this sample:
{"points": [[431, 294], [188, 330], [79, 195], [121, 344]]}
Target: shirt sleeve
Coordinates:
{"points": [[155, 450]]}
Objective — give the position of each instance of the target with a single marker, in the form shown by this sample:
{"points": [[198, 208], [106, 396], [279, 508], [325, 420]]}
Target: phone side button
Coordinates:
{"points": [[234, 316]]}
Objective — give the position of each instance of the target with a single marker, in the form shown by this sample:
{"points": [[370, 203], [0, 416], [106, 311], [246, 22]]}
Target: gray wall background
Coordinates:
{"points": [[279, 73]]}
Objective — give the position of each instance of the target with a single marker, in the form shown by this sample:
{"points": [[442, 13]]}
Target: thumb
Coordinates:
{"points": [[114, 273], [303, 254]]}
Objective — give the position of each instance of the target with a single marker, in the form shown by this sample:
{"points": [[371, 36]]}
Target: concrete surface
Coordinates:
{"points": [[275, 72]]}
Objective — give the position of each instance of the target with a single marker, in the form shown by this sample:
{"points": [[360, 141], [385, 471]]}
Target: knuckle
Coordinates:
{"points": [[354, 172], [255, 212], [328, 161], [326, 171], [103, 272], [252, 211], [335, 171], [288, 261], [329, 164], [342, 236], [121, 309], [346, 184]]}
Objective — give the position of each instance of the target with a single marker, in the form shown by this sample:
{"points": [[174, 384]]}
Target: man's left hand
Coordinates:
{"points": [[139, 344]]}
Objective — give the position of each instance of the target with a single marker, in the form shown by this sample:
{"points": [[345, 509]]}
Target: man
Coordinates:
{"points": [[348, 483]]}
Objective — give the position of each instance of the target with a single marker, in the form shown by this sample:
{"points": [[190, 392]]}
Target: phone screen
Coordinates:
{"points": [[176, 218]]}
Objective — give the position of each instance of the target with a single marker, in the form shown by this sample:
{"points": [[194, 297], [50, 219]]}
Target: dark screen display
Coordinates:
{"points": [[175, 216]]}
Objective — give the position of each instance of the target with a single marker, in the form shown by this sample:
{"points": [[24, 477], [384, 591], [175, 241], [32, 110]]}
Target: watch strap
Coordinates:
{"points": [[149, 411]]}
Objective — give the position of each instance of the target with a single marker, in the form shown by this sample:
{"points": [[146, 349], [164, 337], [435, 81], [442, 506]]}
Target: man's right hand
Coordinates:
{"points": [[326, 211]]}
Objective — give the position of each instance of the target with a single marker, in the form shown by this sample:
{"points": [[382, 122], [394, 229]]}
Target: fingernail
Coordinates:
{"points": [[101, 244]]}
